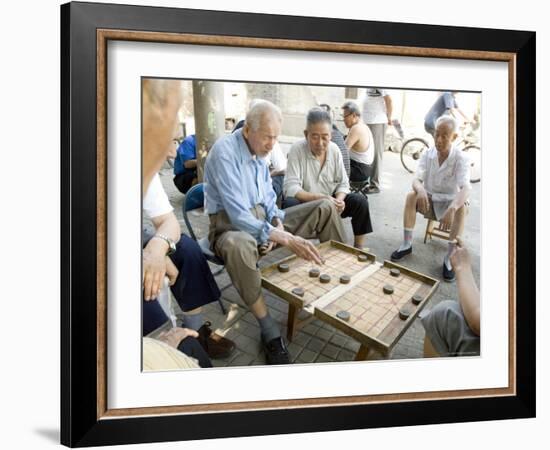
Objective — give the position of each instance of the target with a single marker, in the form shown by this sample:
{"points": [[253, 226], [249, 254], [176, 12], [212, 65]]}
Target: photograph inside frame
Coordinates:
{"points": [[298, 224]]}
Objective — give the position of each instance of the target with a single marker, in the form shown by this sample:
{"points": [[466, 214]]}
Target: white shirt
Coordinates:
{"points": [[155, 201], [276, 160], [374, 106], [304, 171], [443, 182]]}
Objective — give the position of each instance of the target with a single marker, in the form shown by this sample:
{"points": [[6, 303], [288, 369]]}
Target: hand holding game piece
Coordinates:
{"points": [[304, 249], [265, 248]]}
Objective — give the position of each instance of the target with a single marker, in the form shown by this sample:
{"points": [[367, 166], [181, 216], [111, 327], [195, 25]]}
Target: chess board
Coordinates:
{"points": [[339, 260], [374, 318]]}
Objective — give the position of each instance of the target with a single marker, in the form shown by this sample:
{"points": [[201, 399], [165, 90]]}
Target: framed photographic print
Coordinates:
{"points": [[135, 77]]}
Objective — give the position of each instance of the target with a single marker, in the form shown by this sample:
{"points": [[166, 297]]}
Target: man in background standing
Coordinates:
{"points": [[377, 114]]}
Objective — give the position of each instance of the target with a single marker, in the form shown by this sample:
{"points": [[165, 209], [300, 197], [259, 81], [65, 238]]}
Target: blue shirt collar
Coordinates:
{"points": [[244, 151]]}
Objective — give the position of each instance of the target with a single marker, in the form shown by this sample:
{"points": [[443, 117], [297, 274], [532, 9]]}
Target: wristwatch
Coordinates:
{"points": [[170, 242]]}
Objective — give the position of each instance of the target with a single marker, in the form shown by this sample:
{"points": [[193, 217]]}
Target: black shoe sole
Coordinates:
{"points": [[400, 257]]}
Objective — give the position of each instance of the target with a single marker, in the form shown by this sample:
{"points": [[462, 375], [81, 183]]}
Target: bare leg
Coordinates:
{"points": [[409, 216], [258, 308], [457, 228], [359, 241]]}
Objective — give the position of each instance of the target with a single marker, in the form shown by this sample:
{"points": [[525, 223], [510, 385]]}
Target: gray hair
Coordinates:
{"points": [[258, 110], [317, 115], [352, 108], [450, 121]]}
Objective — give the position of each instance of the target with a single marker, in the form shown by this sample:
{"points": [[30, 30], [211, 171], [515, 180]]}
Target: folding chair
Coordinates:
{"points": [[194, 199], [360, 186]]}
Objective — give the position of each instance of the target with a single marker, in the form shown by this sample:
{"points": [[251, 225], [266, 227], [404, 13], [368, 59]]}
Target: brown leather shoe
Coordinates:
{"points": [[215, 345]]}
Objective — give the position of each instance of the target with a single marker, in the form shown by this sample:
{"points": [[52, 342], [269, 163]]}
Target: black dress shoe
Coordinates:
{"points": [[448, 275], [397, 255], [214, 344], [276, 351], [373, 190]]}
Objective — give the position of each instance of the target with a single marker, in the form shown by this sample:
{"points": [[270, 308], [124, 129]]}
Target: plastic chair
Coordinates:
{"points": [[194, 199]]}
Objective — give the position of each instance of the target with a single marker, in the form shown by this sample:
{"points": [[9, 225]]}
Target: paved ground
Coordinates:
{"points": [[319, 342]]}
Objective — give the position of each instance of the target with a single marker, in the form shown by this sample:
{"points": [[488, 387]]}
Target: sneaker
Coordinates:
{"points": [[398, 255], [276, 351], [215, 345], [448, 275]]}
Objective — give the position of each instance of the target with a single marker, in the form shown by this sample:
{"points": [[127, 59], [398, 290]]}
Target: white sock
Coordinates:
{"points": [[407, 239], [447, 259]]}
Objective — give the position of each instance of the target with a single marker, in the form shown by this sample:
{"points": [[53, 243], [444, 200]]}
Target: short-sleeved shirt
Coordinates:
{"points": [[443, 182], [186, 151], [443, 103], [374, 106], [304, 171], [155, 201]]}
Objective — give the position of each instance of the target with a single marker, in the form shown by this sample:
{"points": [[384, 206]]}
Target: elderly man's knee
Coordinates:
{"points": [[240, 243], [411, 198], [445, 313], [328, 205]]}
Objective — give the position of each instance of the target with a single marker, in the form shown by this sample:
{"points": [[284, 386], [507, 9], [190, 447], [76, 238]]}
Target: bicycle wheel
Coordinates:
{"points": [[474, 154], [411, 152]]}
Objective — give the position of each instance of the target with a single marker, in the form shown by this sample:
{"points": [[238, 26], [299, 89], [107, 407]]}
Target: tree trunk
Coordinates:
{"points": [[208, 101]]}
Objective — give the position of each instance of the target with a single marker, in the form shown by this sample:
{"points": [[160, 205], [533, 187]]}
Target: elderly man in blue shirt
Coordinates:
{"points": [[245, 221]]}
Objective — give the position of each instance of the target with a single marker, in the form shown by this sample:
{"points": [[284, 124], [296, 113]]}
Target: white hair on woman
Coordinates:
{"points": [[258, 110], [449, 121]]}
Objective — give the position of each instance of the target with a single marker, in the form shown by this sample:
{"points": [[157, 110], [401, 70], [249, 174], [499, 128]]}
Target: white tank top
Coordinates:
{"points": [[365, 157]]}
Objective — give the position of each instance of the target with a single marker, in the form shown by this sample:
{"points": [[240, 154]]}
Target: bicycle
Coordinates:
{"points": [[412, 150]]}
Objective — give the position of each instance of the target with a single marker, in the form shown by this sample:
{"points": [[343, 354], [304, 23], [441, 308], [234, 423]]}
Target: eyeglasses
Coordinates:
{"points": [[346, 115]]}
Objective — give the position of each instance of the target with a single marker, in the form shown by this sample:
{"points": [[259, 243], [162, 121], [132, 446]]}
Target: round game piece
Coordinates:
{"points": [[404, 313], [362, 258], [395, 272], [298, 291], [416, 299], [325, 278], [283, 267], [314, 272], [343, 315], [345, 279], [388, 289]]}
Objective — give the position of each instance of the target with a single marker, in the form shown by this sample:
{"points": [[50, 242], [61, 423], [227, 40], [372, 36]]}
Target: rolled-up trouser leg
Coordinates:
{"points": [[357, 207], [239, 252], [316, 219]]}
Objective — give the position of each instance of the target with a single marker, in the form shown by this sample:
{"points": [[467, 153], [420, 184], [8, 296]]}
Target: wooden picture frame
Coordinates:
{"points": [[85, 30]]}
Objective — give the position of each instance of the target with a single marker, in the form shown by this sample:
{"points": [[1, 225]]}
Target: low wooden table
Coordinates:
{"points": [[374, 316]]}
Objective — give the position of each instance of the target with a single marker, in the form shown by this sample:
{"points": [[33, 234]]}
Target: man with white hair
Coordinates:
{"points": [[245, 221], [440, 191]]}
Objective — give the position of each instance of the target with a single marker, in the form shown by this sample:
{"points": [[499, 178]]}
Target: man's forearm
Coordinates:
{"points": [[305, 196], [460, 198], [418, 186]]}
